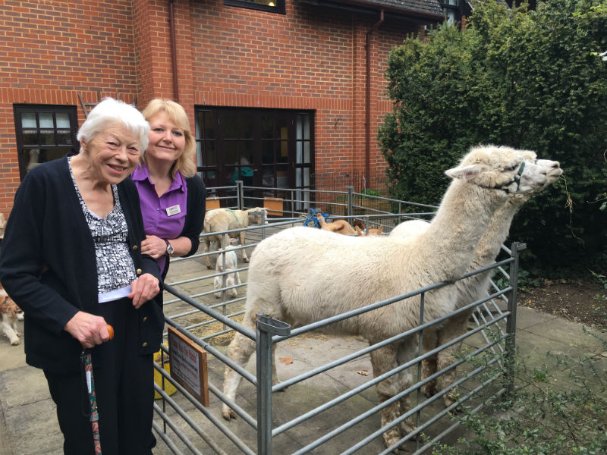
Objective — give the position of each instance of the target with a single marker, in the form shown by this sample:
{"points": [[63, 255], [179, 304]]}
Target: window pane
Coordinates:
{"points": [[299, 128], [284, 152], [28, 120], [30, 137], [64, 137], [267, 127], [282, 178], [306, 152], [63, 120], [207, 120], [230, 152], [237, 125], [209, 155], [298, 151], [267, 178], [267, 152], [53, 153], [47, 137], [46, 120]]}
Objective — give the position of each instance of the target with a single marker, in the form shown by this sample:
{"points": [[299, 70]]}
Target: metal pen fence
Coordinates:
{"points": [[325, 400]]}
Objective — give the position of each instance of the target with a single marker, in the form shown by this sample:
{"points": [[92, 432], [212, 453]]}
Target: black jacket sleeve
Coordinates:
{"points": [[22, 258], [195, 216]]}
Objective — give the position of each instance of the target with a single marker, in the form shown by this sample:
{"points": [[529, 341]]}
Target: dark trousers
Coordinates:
{"points": [[124, 385]]}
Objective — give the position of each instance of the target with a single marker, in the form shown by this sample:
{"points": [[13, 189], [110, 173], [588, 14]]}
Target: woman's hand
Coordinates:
{"points": [[153, 246], [144, 288], [88, 329]]}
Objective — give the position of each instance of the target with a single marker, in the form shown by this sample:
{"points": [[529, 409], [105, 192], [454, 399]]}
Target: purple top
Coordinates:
{"points": [[163, 216]]}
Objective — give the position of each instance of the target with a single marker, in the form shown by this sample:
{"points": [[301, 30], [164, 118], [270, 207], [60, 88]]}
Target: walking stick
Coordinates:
{"points": [[87, 365]]}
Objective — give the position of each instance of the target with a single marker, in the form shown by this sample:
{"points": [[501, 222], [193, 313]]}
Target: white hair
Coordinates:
{"points": [[111, 111]]}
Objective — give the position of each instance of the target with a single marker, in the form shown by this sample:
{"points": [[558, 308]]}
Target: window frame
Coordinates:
{"points": [[213, 145], [37, 109], [278, 9]]}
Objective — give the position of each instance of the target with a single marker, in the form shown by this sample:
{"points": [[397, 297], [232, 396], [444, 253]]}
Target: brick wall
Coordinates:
{"points": [[51, 51], [310, 58]]}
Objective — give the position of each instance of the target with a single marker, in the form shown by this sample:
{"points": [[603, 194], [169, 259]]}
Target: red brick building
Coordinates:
{"points": [[296, 87]]}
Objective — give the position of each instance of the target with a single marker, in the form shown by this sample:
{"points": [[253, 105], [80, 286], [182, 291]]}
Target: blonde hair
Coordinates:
{"points": [[176, 113]]}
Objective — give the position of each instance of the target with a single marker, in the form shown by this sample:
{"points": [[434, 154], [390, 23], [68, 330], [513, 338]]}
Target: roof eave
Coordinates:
{"points": [[406, 12]]}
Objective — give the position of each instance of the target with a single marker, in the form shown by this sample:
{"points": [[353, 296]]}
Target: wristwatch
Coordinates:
{"points": [[170, 249]]}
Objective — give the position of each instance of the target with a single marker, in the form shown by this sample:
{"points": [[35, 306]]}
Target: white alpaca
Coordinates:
{"points": [[227, 263], [297, 275], [219, 220], [475, 287]]}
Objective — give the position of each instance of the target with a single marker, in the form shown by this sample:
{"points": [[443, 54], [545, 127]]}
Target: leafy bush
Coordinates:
{"points": [[530, 80]]}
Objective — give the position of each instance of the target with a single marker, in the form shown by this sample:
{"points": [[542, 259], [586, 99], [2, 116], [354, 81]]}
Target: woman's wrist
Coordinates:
{"points": [[169, 248]]}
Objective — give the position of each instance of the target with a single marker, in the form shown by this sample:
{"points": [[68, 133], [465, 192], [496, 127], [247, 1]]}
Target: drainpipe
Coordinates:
{"points": [[173, 49], [368, 96]]}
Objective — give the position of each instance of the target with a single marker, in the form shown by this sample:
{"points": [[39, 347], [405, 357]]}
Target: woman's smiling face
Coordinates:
{"points": [[167, 140], [113, 154]]}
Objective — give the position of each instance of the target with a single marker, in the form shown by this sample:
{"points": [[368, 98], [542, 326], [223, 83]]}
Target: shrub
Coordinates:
{"points": [[529, 80]]}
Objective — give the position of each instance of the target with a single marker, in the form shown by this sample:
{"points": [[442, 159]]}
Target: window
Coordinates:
{"points": [[272, 6], [44, 133], [269, 148]]}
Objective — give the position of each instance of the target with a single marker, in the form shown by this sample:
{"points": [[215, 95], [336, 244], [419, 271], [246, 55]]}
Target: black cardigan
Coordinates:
{"points": [[48, 265], [195, 212]]}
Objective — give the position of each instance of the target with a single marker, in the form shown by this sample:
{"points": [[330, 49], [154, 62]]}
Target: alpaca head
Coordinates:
{"points": [[514, 172], [257, 215]]}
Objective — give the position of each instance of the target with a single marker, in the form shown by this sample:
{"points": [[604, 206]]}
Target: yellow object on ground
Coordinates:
{"points": [[168, 388]]}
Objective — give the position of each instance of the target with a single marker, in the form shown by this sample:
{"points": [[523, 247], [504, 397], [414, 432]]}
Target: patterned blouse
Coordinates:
{"points": [[115, 268]]}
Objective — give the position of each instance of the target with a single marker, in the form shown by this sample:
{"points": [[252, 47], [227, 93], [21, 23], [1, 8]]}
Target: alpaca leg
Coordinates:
{"points": [[455, 327], [9, 331], [239, 352], [207, 249], [245, 258], [383, 360], [429, 365]]}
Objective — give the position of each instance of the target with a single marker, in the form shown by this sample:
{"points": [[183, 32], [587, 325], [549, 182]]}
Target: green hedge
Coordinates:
{"points": [[529, 80]]}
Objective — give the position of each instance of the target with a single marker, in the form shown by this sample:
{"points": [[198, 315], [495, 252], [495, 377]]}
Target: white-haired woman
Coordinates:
{"points": [[71, 258]]}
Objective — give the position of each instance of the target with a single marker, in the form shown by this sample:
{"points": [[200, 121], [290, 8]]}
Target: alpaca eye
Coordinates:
{"points": [[511, 168]]}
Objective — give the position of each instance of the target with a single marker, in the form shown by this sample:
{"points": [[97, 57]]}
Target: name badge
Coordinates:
{"points": [[173, 210]]}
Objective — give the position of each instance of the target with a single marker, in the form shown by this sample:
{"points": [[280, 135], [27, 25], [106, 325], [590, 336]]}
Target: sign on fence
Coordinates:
{"points": [[189, 365]]}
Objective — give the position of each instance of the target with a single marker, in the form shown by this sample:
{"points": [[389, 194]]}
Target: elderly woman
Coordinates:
{"points": [[71, 258]]}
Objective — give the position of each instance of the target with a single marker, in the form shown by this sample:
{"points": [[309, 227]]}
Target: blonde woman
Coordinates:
{"points": [[172, 194]]}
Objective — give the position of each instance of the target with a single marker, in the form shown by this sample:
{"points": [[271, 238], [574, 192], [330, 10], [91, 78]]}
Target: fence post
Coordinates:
{"points": [[350, 200], [266, 329], [240, 194], [510, 347]]}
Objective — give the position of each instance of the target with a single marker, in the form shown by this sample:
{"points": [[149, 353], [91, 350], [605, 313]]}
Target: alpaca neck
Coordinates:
{"points": [[459, 224], [491, 242]]}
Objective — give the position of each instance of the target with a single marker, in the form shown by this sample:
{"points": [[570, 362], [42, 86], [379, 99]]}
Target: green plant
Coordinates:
{"points": [[557, 408], [527, 79]]}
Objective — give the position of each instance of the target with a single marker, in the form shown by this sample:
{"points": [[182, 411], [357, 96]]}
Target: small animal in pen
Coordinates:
{"points": [[10, 314], [227, 265]]}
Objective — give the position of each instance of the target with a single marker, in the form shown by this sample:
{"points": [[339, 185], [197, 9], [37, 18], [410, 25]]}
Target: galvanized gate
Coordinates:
{"points": [[325, 401]]}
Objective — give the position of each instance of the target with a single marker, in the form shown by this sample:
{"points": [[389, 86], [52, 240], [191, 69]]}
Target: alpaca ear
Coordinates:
{"points": [[464, 172]]}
